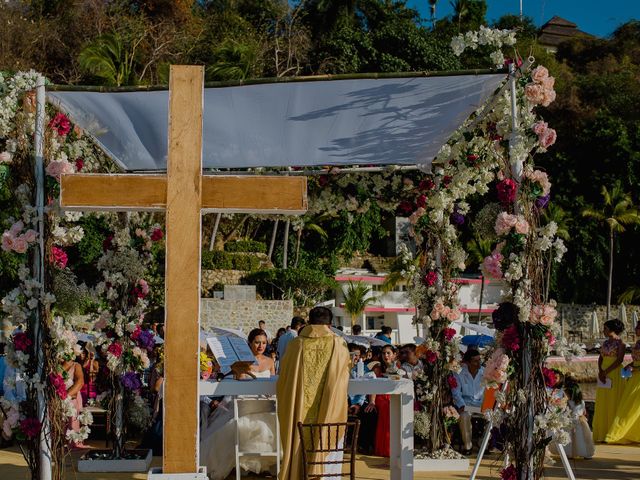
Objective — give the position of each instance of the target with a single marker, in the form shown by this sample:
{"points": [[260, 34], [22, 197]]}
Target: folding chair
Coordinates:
{"points": [[320, 440]]}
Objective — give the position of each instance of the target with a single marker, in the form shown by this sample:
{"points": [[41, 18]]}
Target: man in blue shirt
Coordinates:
{"points": [[469, 392], [384, 334], [296, 324]]}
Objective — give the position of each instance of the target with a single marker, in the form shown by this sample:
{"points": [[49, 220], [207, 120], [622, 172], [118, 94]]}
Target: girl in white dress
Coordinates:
{"points": [[256, 426], [581, 444]]}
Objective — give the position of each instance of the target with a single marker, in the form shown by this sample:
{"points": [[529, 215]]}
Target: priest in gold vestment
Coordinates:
{"points": [[312, 386]]}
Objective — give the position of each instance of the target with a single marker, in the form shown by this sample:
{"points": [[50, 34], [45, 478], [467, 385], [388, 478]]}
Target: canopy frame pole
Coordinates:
{"points": [[38, 268]]}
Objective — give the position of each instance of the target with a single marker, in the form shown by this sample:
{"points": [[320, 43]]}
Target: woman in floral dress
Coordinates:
{"points": [[611, 384], [626, 425]]}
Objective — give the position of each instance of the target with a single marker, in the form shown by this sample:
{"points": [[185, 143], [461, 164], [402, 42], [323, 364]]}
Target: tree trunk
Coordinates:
{"points": [[481, 298], [273, 238], [298, 247], [285, 254], [610, 275], [212, 242], [548, 280]]}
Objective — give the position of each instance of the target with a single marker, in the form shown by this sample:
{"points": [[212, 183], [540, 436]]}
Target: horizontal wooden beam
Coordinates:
{"points": [[237, 193]]}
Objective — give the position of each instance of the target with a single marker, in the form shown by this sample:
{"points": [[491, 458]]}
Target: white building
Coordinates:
{"points": [[394, 310]]}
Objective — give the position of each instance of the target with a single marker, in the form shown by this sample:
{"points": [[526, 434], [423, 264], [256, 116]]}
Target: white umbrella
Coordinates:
{"points": [[622, 315], [634, 318], [595, 326], [340, 333], [478, 328], [463, 329], [362, 340]]}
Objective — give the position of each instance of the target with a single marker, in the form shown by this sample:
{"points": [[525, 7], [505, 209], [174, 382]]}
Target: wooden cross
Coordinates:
{"points": [[184, 193]]}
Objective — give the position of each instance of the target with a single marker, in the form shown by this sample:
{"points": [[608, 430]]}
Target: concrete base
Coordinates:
{"points": [[156, 474], [438, 465], [120, 465]]}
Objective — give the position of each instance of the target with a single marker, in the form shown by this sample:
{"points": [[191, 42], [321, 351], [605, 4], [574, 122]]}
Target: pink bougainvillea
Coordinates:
{"points": [[59, 257]]}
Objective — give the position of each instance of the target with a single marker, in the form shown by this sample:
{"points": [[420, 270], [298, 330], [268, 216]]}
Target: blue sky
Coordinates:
{"points": [[598, 17]]}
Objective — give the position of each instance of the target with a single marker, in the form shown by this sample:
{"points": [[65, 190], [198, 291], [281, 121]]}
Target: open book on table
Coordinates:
{"points": [[230, 350]]}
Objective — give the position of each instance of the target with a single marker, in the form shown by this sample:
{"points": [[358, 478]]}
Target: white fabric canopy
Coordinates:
{"points": [[386, 121]]}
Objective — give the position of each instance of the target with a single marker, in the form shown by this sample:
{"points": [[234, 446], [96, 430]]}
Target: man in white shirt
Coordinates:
{"points": [[296, 324], [469, 392], [410, 361], [263, 326]]}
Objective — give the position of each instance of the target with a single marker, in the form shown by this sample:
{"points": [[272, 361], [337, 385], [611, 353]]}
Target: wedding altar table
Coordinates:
{"points": [[401, 410]]}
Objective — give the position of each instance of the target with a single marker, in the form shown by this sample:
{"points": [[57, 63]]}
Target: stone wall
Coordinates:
{"points": [[577, 319], [245, 314], [225, 277]]}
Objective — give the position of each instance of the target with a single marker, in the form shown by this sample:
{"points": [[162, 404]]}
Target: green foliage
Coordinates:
{"points": [[111, 58], [217, 260], [356, 299], [305, 286], [245, 246]]}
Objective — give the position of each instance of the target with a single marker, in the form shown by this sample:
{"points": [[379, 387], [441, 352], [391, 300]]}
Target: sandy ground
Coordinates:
{"points": [[610, 463]]}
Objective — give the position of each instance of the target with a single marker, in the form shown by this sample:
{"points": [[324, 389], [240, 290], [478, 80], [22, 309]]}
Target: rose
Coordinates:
{"points": [[58, 167], [550, 377], [509, 473], [539, 74], [522, 226], [115, 349], [453, 314], [511, 338], [534, 93], [452, 382], [79, 164], [58, 257], [30, 427], [421, 201], [507, 190], [491, 266], [157, 234], [431, 356], [426, 184], [21, 342], [61, 124], [448, 333], [431, 278], [548, 138], [548, 97], [504, 223]]}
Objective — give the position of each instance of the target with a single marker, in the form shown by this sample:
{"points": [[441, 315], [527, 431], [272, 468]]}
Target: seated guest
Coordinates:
{"points": [[296, 325], [384, 334], [410, 361], [469, 392], [356, 330]]}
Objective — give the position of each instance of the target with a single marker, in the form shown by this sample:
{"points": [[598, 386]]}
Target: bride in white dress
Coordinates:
{"points": [[256, 426]]}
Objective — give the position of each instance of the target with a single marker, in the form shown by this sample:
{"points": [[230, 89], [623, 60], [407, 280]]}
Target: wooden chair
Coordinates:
{"points": [[323, 439]]}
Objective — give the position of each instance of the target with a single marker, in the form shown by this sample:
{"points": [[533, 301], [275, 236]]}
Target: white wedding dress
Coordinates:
{"points": [[256, 430]]}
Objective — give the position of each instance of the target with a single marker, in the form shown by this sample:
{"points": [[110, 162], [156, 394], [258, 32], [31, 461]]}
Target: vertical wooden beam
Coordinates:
{"points": [[182, 290]]}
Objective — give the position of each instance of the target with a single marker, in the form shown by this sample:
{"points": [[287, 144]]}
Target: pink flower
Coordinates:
{"points": [[543, 315], [504, 223], [453, 383], [511, 338], [539, 74], [550, 377], [30, 236], [550, 338], [5, 157], [57, 168], [453, 314], [507, 190], [522, 226], [548, 138], [30, 427], [542, 179], [540, 127], [58, 257], [115, 349], [495, 372], [141, 290], [21, 341], [58, 384], [534, 93], [157, 234], [548, 83], [491, 266], [20, 244], [61, 124], [548, 97], [430, 278], [448, 333]]}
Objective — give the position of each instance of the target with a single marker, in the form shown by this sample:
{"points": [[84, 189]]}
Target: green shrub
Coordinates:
{"points": [[305, 286], [245, 246], [217, 260]]}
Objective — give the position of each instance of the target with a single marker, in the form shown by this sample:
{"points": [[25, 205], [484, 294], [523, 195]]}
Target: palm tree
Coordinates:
{"points": [[111, 58], [617, 211], [313, 224], [356, 300], [478, 249], [234, 61], [630, 294]]}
